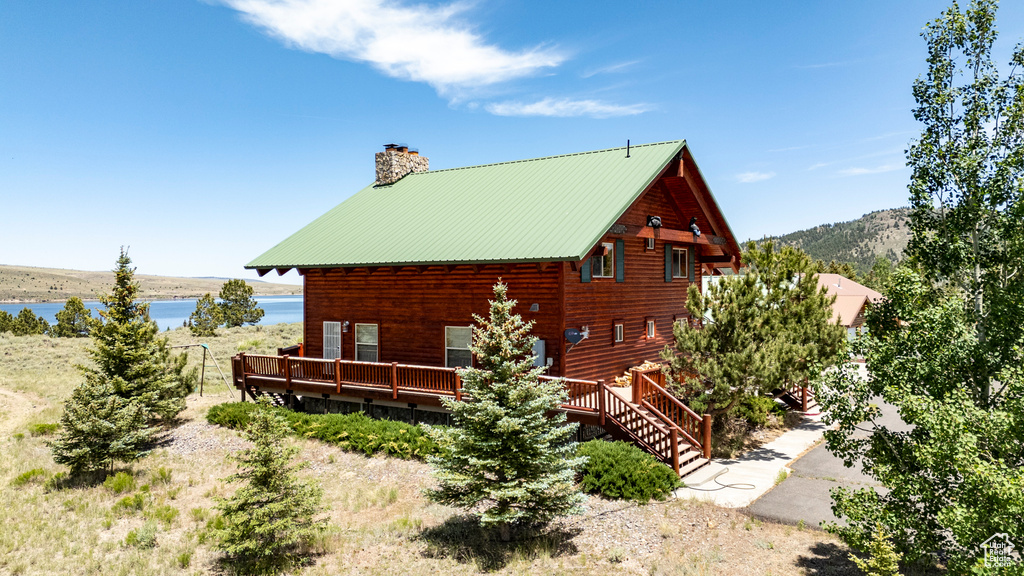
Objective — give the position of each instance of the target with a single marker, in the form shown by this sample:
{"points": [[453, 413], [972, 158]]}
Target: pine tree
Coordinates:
{"points": [[237, 306], [766, 329], [26, 323], [128, 355], [272, 517], [99, 427], [505, 458], [74, 320], [206, 318], [6, 321]]}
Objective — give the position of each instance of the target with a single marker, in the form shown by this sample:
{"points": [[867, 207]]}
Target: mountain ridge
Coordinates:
{"points": [[882, 233]]}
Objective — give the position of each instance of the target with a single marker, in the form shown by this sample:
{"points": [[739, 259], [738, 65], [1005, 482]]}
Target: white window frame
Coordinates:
{"points": [[650, 243], [680, 263], [619, 333], [447, 362], [651, 331], [376, 344], [607, 262]]}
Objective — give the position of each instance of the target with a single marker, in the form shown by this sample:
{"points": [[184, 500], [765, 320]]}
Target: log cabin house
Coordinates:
{"points": [[601, 245]]}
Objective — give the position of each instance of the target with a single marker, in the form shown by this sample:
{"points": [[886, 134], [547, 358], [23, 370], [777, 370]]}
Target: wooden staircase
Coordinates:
{"points": [[660, 424], [798, 398]]}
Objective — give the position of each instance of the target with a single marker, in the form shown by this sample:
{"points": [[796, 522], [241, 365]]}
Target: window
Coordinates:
{"points": [[619, 333], [456, 346], [604, 264], [650, 329], [679, 263], [366, 342], [650, 243]]}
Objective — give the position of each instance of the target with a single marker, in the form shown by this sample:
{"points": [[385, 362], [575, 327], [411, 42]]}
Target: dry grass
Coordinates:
{"points": [[381, 523], [30, 284]]}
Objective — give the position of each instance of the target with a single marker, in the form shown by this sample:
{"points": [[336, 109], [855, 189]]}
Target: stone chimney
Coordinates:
{"points": [[396, 161]]}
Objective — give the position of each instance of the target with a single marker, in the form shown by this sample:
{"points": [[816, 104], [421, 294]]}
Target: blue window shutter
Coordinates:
{"points": [[692, 257], [668, 262], [585, 271], [620, 262]]}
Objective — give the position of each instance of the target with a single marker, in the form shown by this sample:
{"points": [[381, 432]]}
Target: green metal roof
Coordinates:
{"points": [[544, 209]]}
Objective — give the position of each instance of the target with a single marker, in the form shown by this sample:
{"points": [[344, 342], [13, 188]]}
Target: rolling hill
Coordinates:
{"points": [[29, 284], [882, 233]]}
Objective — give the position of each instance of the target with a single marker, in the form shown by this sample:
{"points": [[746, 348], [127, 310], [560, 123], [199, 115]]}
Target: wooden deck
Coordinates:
{"points": [[651, 418]]}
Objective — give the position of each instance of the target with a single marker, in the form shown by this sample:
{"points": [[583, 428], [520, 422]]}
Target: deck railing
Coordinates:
{"points": [[649, 393], [652, 434], [654, 419]]}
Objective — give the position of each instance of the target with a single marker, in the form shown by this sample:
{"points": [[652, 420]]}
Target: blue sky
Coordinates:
{"points": [[203, 133]]}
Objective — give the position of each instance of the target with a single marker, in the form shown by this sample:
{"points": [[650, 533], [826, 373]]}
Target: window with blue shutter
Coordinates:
{"points": [[692, 258], [585, 271]]}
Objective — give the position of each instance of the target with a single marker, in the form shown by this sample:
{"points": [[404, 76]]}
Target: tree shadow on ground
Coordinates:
{"points": [[465, 540], [828, 559], [831, 559]]}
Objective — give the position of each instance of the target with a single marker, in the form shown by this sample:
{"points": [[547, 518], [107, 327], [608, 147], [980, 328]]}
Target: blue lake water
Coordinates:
{"points": [[172, 313]]}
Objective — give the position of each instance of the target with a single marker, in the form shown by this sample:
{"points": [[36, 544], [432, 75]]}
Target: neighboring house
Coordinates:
{"points": [[396, 272], [851, 303]]}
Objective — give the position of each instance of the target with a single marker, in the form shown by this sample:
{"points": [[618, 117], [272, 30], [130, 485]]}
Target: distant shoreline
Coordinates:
{"points": [[149, 299]]}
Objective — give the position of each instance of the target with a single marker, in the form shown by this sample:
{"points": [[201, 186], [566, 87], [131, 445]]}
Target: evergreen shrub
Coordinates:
{"points": [[755, 410], [351, 432], [621, 471]]}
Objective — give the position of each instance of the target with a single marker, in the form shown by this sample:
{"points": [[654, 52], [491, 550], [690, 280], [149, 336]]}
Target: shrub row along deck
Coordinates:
{"points": [[648, 416]]}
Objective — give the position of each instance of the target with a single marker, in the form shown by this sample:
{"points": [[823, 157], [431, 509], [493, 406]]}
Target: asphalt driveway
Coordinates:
{"points": [[804, 496]]}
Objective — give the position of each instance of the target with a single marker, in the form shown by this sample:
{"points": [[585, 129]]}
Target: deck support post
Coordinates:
{"points": [[458, 387], [706, 435], [287, 371], [600, 402], [637, 383], [241, 370], [412, 414], [394, 380], [327, 398], [674, 435], [803, 398], [337, 375]]}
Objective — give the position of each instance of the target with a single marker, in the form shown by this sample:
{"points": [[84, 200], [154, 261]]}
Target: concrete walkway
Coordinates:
{"points": [[737, 483]]}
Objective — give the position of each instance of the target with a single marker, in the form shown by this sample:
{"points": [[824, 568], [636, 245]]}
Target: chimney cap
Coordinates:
{"points": [[390, 146]]}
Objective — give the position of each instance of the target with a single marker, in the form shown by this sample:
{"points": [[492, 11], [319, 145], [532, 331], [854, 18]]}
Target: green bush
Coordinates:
{"points": [[353, 432], [143, 537], [622, 471], [120, 483], [129, 504], [755, 410], [43, 429], [33, 475]]}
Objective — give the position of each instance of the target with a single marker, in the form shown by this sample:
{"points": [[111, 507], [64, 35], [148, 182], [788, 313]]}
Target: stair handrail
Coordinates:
{"points": [[672, 434], [698, 424]]}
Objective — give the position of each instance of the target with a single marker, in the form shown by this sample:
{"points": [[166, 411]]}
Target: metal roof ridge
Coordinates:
{"points": [[631, 146]]}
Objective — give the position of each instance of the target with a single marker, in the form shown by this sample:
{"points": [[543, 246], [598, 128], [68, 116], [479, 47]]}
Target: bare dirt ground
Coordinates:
{"points": [[381, 524]]}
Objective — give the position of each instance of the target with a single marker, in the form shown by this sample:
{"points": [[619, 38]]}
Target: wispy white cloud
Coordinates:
{"points": [[751, 177], [563, 107], [621, 66], [417, 42], [860, 171]]}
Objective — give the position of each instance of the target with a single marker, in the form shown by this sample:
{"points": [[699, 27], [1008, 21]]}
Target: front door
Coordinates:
{"points": [[332, 340]]}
